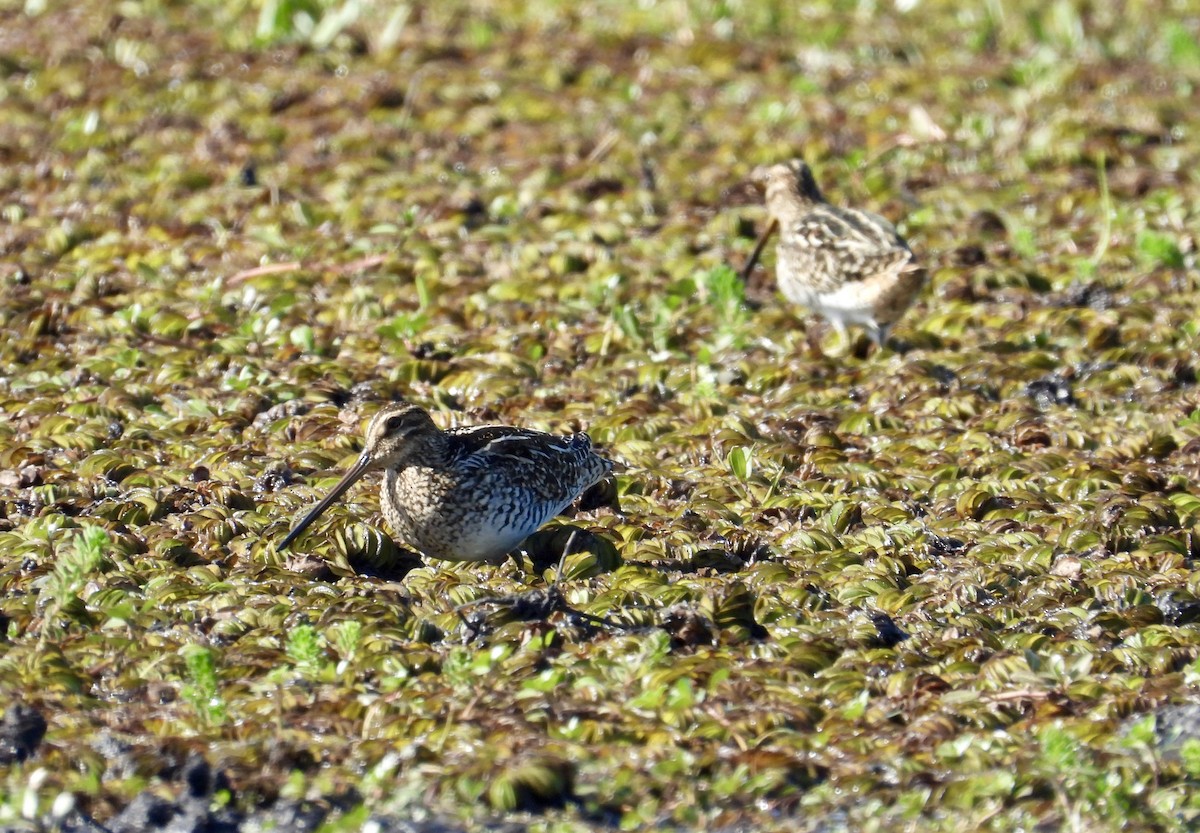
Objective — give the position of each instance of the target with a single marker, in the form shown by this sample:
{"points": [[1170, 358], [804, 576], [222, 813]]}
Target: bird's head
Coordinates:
{"points": [[793, 178], [398, 433]]}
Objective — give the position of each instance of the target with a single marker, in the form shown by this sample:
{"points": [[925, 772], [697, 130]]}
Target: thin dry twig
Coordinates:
{"points": [[265, 269], [295, 265]]}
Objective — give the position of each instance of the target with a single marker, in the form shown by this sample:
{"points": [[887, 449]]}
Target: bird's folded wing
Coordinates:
{"points": [[863, 245], [520, 445]]}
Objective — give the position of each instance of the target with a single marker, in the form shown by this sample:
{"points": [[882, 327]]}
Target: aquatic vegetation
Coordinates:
{"points": [[950, 588]]}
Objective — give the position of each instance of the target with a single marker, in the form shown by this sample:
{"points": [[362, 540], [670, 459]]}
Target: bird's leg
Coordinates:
{"points": [[518, 559], [879, 335], [563, 561]]}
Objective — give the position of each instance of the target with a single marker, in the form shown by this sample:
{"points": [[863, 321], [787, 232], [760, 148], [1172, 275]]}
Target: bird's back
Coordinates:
{"points": [[827, 247], [552, 466]]}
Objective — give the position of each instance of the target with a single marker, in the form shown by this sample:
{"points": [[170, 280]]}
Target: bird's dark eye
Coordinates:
{"points": [[393, 424]]}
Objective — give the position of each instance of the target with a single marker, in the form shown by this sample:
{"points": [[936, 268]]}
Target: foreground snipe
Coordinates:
{"points": [[470, 493], [849, 266]]}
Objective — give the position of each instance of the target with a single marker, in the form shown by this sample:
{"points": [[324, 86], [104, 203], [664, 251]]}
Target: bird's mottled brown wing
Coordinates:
{"points": [[468, 439], [840, 245], [560, 466]]}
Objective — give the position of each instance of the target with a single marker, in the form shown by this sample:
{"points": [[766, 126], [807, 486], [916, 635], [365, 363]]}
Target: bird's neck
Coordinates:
{"points": [[433, 451]]}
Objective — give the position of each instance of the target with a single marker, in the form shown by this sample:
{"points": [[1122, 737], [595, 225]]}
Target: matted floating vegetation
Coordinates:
{"points": [[947, 587]]}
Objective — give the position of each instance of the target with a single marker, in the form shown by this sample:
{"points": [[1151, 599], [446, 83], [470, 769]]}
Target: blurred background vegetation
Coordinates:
{"points": [[946, 589]]}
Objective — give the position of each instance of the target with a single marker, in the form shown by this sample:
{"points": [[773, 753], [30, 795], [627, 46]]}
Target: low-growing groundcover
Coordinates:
{"points": [[949, 587]]}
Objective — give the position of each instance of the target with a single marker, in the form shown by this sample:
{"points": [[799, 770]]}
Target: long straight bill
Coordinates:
{"points": [[754, 256], [348, 479]]}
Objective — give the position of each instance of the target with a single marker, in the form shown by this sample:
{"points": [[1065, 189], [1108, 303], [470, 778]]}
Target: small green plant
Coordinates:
{"points": [[1160, 249], [1059, 750], [345, 637], [73, 569], [405, 325], [1189, 754], [1024, 242], [315, 21], [71, 572], [723, 290], [1088, 785], [627, 321], [1183, 50], [202, 691], [304, 647]]}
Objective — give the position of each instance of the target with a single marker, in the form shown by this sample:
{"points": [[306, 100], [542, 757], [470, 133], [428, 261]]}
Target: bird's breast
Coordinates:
{"points": [[473, 517]]}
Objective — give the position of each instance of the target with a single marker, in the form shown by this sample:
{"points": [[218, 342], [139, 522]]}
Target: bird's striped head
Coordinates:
{"points": [[793, 178], [398, 432]]}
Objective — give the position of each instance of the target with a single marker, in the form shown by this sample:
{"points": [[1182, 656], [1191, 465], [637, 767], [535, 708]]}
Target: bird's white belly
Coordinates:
{"points": [[848, 304], [483, 545]]}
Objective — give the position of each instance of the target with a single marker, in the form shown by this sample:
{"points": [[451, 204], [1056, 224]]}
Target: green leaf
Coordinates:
{"points": [[740, 463], [1183, 50], [1189, 754], [304, 338]]}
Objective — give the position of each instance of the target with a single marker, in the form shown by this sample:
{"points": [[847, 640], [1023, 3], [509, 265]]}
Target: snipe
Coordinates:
{"points": [[472, 493], [849, 266]]}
